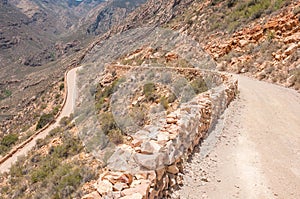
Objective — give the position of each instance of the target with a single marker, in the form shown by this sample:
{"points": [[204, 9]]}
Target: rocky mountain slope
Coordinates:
{"points": [[58, 17], [258, 38], [112, 15], [39, 40], [151, 13]]}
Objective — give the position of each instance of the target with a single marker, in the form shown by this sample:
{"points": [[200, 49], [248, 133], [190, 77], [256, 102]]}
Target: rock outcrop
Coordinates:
{"points": [[265, 46], [112, 15]]}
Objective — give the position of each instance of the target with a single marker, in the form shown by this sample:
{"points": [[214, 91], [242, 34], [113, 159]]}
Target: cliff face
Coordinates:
{"points": [[56, 17], [153, 12], [112, 15]]}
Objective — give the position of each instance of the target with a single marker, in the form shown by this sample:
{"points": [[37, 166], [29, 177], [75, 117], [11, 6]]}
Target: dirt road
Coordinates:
{"points": [[254, 152], [66, 111]]}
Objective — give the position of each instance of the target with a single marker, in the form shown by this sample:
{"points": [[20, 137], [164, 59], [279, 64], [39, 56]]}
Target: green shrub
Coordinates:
{"points": [[46, 168], [199, 85], [44, 120], [171, 98], [296, 10], [39, 175], [107, 122], [103, 93], [148, 91], [9, 140], [71, 146], [3, 149], [16, 170], [231, 3], [51, 175], [55, 131], [65, 121], [57, 96], [164, 102], [40, 143], [61, 86], [56, 110], [5, 94], [215, 2], [116, 136]]}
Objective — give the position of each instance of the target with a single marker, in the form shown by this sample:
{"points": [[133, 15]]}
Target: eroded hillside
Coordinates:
{"points": [[253, 37], [39, 41], [258, 38]]}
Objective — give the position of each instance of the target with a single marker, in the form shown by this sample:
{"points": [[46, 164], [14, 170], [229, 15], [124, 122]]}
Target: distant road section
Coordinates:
{"points": [[66, 111]]}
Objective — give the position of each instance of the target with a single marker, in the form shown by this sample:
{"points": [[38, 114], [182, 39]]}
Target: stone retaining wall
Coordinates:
{"points": [[151, 166]]}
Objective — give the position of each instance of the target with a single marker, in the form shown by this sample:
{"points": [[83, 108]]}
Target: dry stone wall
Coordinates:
{"points": [[151, 166]]}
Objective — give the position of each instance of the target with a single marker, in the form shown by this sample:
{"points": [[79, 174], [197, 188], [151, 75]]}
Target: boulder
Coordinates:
{"points": [[133, 196], [141, 135], [291, 49], [150, 147], [136, 143], [142, 188], [173, 169], [93, 195], [160, 173], [120, 160], [179, 179], [116, 177], [171, 56], [163, 137], [119, 186], [153, 193], [291, 80], [104, 187], [293, 38], [147, 161], [243, 42], [170, 155]]}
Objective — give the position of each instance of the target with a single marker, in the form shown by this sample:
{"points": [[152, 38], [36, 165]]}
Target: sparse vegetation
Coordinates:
{"points": [[199, 85], [107, 122], [44, 120], [5, 94], [65, 121], [53, 175], [139, 115], [231, 14], [149, 91], [7, 142], [110, 128], [245, 11], [103, 94], [164, 102], [171, 98], [116, 136]]}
